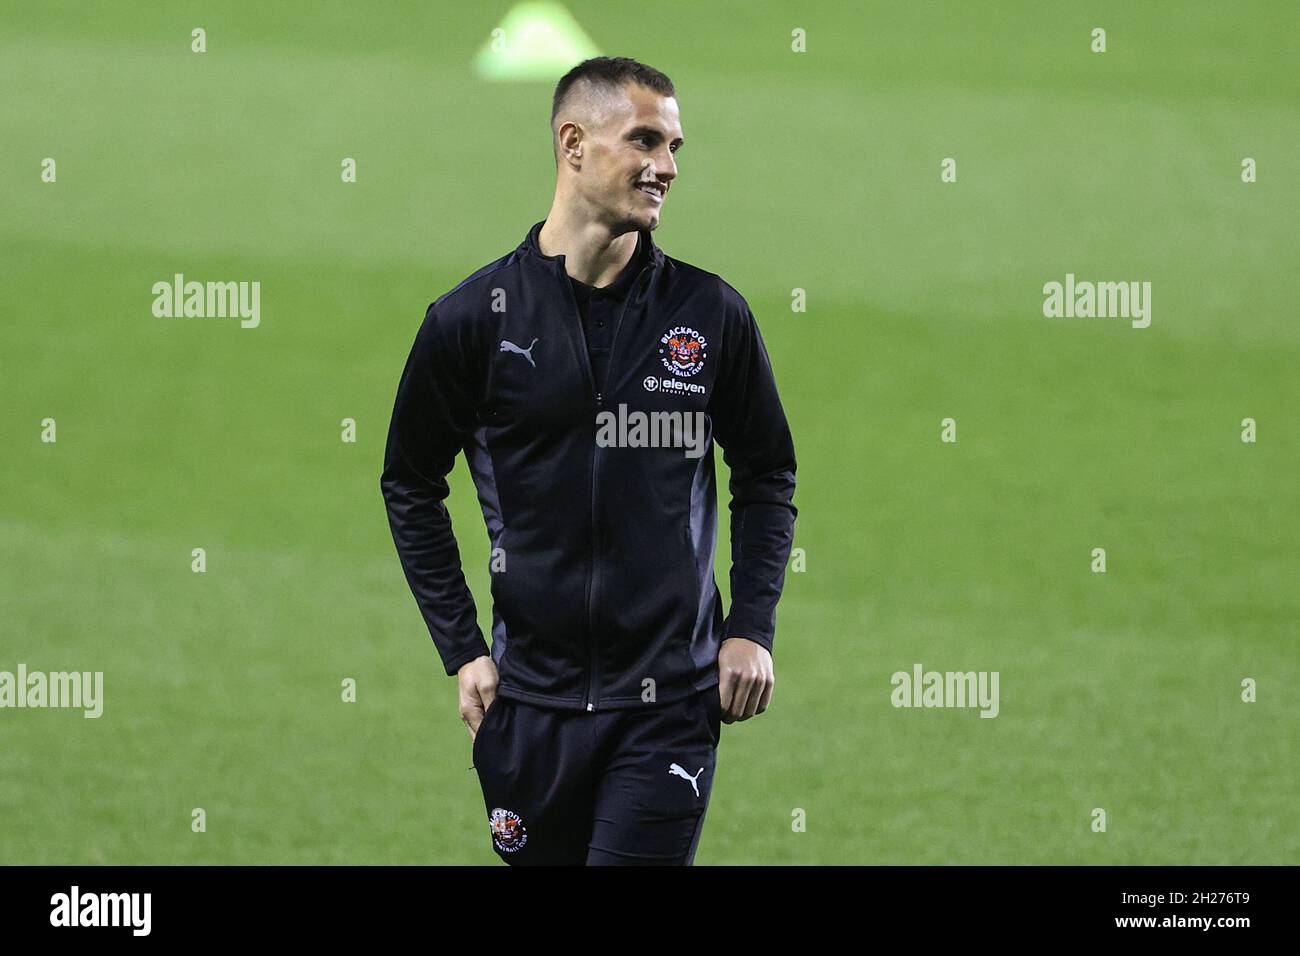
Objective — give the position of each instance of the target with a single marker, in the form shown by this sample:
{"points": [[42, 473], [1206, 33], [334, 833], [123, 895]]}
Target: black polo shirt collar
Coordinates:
{"points": [[645, 246]]}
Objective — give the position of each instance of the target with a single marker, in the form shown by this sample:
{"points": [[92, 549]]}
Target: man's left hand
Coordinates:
{"points": [[745, 679]]}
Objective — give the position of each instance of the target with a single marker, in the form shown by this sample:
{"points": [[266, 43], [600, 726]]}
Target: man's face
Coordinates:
{"points": [[629, 164]]}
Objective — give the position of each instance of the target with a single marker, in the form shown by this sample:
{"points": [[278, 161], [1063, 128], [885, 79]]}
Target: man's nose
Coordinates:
{"points": [[665, 167]]}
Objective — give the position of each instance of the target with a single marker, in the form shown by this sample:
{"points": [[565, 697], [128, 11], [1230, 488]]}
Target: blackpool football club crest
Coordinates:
{"points": [[508, 830], [682, 350]]}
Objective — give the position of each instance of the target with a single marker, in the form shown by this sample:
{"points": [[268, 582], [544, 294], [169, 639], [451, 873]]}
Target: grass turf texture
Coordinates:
{"points": [[818, 171]]}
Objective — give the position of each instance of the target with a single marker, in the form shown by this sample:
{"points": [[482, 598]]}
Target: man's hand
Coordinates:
{"points": [[478, 688], [745, 679]]}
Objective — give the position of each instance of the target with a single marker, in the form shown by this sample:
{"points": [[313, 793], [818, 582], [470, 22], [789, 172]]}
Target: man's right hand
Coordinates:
{"points": [[478, 688]]}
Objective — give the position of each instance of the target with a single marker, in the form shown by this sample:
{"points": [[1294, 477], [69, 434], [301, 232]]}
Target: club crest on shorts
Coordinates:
{"points": [[508, 831], [683, 351]]}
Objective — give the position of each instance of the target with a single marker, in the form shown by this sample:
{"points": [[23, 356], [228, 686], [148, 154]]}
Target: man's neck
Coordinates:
{"points": [[591, 254]]}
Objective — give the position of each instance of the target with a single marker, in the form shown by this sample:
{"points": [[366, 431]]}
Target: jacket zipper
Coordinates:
{"points": [[591, 484], [590, 696]]}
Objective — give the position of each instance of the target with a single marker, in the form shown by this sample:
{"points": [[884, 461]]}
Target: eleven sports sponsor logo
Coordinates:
{"points": [[672, 386]]}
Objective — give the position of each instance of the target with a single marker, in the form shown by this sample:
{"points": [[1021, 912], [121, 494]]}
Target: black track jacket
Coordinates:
{"points": [[602, 570]]}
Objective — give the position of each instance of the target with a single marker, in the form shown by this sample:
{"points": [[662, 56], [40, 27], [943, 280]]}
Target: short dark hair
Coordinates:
{"points": [[610, 72]]}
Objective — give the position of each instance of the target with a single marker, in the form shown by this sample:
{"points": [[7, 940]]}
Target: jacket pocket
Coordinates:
{"points": [[483, 725], [713, 713]]}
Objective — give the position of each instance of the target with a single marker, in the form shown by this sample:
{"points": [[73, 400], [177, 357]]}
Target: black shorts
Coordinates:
{"points": [[572, 788]]}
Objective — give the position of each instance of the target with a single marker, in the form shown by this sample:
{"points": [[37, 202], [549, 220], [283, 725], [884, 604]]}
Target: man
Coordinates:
{"points": [[595, 715]]}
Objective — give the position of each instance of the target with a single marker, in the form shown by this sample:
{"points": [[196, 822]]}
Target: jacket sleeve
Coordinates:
{"points": [[433, 417], [750, 426]]}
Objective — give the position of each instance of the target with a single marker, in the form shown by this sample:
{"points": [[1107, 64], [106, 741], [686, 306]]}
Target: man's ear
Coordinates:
{"points": [[571, 136]]}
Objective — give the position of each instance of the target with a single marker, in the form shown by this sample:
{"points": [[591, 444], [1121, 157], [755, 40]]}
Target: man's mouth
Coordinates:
{"points": [[655, 190]]}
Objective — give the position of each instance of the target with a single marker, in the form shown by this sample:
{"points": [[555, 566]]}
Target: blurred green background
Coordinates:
{"points": [[818, 171]]}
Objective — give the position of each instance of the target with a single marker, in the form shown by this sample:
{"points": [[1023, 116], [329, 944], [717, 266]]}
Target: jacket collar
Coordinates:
{"points": [[532, 247]]}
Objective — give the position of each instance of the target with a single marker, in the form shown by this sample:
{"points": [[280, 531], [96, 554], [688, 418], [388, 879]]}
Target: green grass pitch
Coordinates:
{"points": [[817, 170]]}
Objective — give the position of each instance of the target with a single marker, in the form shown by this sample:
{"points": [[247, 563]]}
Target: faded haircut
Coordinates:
{"points": [[603, 74]]}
